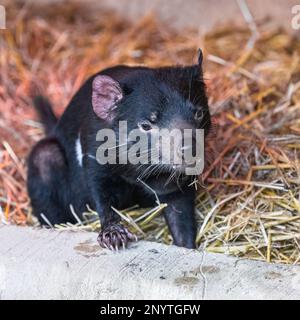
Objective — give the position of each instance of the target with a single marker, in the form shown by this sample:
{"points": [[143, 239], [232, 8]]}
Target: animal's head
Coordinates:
{"points": [[154, 102]]}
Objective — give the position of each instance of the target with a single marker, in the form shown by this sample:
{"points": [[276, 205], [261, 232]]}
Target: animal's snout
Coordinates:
{"points": [[181, 150]]}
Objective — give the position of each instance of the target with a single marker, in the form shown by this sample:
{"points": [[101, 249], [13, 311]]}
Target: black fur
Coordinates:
{"points": [[55, 179], [46, 114]]}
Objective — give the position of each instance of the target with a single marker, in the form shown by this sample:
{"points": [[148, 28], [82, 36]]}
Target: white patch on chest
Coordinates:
{"points": [[78, 150]]}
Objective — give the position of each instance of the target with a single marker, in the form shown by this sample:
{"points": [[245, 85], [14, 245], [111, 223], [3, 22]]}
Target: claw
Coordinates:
{"points": [[114, 236]]}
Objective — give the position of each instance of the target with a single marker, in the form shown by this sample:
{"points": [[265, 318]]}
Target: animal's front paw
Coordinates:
{"points": [[115, 236]]}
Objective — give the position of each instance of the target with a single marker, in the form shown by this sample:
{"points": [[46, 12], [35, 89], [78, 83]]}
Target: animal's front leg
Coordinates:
{"points": [[113, 234], [179, 215]]}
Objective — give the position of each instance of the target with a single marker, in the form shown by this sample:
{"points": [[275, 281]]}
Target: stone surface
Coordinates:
{"points": [[47, 264]]}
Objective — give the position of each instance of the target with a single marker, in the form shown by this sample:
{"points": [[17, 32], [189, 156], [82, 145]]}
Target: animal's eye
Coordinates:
{"points": [[153, 116], [199, 115], [145, 126]]}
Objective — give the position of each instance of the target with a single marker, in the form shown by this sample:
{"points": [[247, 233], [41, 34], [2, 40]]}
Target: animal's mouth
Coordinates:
{"points": [[182, 167], [179, 168]]}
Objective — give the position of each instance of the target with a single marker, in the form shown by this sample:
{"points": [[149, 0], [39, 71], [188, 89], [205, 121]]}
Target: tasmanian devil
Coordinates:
{"points": [[63, 169]]}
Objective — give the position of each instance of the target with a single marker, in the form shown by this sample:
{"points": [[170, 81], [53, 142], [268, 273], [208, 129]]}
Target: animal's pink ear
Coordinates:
{"points": [[106, 94]]}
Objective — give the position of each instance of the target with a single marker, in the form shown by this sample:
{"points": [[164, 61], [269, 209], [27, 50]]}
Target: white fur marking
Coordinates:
{"points": [[78, 150]]}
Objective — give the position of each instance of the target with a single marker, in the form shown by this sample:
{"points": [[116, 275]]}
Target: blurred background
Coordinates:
{"points": [[204, 14], [249, 195]]}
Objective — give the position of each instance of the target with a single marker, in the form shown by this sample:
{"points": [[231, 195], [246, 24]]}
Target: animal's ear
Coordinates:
{"points": [[197, 67], [200, 57], [105, 96]]}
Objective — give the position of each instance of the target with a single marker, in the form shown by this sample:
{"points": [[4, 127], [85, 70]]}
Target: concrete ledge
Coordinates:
{"points": [[46, 264]]}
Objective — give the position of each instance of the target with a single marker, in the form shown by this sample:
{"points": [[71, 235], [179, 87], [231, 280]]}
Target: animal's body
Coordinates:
{"points": [[62, 166]]}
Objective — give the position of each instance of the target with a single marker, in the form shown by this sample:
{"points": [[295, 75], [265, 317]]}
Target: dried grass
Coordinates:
{"points": [[249, 198]]}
